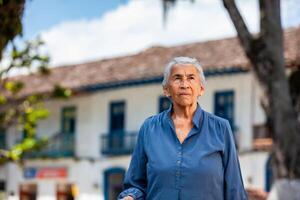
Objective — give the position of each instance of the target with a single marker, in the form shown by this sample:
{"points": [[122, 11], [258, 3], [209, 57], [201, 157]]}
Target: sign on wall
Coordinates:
{"points": [[45, 172]]}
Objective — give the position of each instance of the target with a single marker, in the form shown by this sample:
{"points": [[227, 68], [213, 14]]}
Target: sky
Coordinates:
{"points": [[81, 31]]}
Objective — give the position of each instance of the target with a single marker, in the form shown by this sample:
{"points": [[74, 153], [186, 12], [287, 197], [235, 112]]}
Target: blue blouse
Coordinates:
{"points": [[205, 166]]}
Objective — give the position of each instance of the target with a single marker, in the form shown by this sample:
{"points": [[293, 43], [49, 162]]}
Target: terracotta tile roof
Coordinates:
{"points": [[213, 55]]}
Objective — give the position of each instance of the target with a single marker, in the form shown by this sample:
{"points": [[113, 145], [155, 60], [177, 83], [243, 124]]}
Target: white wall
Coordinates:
{"points": [[86, 174], [253, 166], [141, 102], [93, 114], [241, 85]]}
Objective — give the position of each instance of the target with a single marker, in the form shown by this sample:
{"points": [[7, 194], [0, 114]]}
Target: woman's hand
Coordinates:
{"points": [[128, 198]]}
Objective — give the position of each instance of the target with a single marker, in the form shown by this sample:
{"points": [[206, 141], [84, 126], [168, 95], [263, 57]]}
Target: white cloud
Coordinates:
{"points": [[138, 25]]}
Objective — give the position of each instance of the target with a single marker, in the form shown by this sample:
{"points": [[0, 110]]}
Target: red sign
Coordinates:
{"points": [[51, 173]]}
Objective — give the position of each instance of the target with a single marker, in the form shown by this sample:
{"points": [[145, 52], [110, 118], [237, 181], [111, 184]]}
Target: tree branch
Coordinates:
{"points": [[241, 28]]}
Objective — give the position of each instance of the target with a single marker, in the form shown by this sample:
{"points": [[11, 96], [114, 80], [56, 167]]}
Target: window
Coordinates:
{"points": [[66, 191], [261, 131], [113, 183], [28, 191], [224, 106], [2, 189], [164, 103], [68, 119], [117, 116], [2, 139]]}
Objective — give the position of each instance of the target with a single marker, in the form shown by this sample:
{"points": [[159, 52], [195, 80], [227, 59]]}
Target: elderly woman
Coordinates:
{"points": [[184, 153]]}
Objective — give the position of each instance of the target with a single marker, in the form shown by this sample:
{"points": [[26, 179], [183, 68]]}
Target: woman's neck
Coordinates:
{"points": [[184, 112]]}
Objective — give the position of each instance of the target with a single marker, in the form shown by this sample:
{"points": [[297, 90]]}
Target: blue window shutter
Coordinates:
{"points": [[68, 120], [224, 106], [117, 116], [2, 139]]}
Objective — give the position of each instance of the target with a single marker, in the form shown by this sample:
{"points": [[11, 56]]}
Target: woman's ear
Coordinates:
{"points": [[201, 90], [166, 91]]}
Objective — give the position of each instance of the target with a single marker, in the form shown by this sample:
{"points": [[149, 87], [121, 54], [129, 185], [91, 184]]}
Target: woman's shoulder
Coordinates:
{"points": [[211, 118], [154, 119], [217, 126], [153, 123]]}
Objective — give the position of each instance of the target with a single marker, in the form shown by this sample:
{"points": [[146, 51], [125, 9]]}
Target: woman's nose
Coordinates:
{"points": [[184, 83]]}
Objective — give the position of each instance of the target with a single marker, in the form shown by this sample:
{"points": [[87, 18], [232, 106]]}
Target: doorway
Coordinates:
{"points": [[28, 191]]}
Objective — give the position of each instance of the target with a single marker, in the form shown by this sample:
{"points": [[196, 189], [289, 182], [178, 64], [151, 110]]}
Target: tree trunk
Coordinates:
{"points": [[285, 189], [11, 12], [265, 52]]}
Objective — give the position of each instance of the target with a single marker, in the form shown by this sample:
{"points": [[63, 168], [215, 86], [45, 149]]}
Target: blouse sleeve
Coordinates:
{"points": [[135, 181], [234, 187]]}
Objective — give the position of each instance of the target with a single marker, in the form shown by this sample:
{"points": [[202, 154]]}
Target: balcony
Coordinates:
{"points": [[118, 143], [59, 145]]}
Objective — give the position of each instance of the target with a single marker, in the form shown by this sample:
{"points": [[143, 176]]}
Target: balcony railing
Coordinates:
{"points": [[118, 143], [59, 145]]}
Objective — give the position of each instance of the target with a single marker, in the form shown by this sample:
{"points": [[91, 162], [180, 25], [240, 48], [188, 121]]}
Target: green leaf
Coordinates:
{"points": [[32, 98], [15, 54], [16, 152], [44, 59], [29, 129], [42, 113], [13, 86], [44, 70], [3, 100], [61, 92], [28, 143]]}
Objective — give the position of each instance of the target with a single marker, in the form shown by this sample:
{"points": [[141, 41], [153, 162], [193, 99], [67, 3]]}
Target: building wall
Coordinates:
{"points": [[241, 85], [253, 168], [141, 102], [87, 175]]}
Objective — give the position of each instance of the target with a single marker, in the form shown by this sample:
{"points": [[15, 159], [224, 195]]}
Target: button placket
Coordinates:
{"points": [[178, 166]]}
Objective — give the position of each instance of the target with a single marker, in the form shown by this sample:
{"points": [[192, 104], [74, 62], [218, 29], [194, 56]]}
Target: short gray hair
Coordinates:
{"points": [[183, 60]]}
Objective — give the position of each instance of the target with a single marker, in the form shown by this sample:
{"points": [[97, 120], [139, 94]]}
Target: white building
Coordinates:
{"points": [[93, 133]]}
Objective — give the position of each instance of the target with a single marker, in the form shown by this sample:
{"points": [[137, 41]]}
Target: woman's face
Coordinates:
{"points": [[184, 85]]}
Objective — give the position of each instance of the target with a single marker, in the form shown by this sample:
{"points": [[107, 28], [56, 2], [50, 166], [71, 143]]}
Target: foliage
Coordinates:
{"points": [[24, 111]]}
